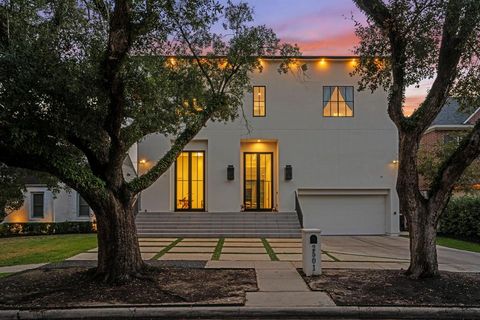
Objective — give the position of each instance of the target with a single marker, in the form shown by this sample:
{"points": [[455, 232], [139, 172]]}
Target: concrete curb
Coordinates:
{"points": [[246, 313]]}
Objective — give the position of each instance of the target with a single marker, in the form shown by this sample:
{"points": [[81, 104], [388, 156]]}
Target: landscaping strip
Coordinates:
{"points": [[458, 244], [218, 249], [269, 249], [2, 275], [44, 249], [166, 249]]}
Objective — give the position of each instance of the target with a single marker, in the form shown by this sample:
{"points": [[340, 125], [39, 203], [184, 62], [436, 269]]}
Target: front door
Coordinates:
{"points": [[258, 181], [190, 181]]}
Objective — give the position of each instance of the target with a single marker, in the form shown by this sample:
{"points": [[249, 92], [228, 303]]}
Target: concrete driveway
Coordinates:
{"points": [[362, 252], [389, 253]]}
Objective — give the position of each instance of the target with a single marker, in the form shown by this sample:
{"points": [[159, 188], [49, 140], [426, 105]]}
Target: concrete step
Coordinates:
{"points": [[218, 224]]}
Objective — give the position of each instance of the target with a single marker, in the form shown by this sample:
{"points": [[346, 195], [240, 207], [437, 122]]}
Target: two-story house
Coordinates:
{"points": [[309, 147]]}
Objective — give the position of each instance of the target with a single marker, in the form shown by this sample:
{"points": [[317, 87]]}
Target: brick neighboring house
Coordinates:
{"points": [[450, 124]]}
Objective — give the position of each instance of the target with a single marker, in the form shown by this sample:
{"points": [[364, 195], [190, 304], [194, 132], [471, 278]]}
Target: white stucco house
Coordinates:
{"points": [[309, 144]]}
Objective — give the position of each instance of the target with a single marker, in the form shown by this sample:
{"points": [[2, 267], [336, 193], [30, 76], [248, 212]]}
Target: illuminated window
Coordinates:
{"points": [[190, 181], [259, 107], [337, 101]]}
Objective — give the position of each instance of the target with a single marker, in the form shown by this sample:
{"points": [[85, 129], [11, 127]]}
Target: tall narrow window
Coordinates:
{"points": [[337, 101], [83, 208], [38, 205], [259, 107], [190, 181]]}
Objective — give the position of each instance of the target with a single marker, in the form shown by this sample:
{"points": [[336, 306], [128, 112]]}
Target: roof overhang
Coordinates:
{"points": [[449, 127]]}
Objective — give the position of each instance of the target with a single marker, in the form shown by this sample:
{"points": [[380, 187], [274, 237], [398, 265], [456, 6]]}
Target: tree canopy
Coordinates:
{"points": [[402, 43]]}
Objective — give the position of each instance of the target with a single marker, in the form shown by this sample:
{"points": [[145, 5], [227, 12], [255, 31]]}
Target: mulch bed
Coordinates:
{"points": [[73, 287], [349, 287]]}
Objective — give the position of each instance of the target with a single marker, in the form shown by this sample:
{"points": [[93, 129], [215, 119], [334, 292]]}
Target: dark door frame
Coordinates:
{"points": [[190, 182], [258, 181]]}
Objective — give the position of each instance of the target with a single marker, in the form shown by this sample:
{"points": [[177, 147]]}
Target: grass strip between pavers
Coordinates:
{"points": [[269, 249], [5, 274], [331, 256], [166, 249], [218, 249]]}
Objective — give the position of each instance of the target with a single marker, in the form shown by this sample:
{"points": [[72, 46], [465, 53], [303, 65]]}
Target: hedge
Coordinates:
{"points": [[461, 218], [45, 228]]}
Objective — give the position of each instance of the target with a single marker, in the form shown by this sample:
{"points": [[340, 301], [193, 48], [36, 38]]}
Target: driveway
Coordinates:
{"points": [[390, 252], [363, 252]]}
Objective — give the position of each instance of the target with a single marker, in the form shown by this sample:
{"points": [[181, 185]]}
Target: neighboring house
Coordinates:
{"points": [[42, 205], [449, 125], [308, 141]]}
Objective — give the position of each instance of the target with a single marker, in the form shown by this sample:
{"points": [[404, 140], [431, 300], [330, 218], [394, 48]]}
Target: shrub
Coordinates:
{"points": [[42, 228], [461, 218]]}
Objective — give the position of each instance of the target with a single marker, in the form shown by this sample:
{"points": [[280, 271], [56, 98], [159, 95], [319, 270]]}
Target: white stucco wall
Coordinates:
{"points": [[325, 153]]}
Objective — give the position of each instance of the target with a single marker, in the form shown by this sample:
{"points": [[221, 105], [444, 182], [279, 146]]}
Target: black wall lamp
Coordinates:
{"points": [[288, 172], [230, 172]]}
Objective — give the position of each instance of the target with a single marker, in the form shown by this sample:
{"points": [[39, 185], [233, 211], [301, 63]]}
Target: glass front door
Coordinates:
{"points": [[190, 181], [258, 181]]}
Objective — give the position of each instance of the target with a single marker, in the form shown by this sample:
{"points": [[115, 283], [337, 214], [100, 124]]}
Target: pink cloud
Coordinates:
{"points": [[341, 44]]}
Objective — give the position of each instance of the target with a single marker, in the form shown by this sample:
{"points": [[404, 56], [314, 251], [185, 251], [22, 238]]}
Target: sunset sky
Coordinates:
{"points": [[320, 27]]}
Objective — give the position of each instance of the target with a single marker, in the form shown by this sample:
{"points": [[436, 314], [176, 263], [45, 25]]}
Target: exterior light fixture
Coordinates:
{"points": [[395, 161], [288, 172], [259, 140], [143, 161], [230, 172], [322, 61]]}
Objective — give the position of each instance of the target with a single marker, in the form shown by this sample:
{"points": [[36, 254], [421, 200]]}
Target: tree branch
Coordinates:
{"points": [[144, 181], [455, 34]]}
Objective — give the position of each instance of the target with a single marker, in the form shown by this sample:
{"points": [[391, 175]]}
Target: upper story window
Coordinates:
{"points": [[338, 101], [38, 205], [259, 105], [83, 208]]}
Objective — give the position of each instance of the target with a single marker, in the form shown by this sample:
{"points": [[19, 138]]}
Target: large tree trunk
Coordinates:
{"points": [[119, 257], [421, 219], [423, 251]]}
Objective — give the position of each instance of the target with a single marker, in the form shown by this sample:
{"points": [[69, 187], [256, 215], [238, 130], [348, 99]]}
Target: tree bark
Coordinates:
{"points": [[421, 219], [423, 251], [119, 257]]}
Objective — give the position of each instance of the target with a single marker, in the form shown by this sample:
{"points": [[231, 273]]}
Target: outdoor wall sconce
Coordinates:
{"points": [[288, 172], [230, 172]]}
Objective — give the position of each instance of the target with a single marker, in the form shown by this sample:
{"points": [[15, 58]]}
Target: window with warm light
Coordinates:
{"points": [[338, 101], [259, 106]]}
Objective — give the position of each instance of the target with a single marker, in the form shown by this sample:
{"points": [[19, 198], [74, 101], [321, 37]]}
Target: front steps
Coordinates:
{"points": [[220, 224]]}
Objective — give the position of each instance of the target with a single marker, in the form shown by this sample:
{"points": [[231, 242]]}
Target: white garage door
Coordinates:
{"points": [[345, 214]]}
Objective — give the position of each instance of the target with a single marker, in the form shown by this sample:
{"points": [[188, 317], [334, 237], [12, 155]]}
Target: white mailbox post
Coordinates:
{"points": [[311, 252]]}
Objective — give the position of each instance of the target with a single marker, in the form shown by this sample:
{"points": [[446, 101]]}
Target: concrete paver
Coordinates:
{"points": [[243, 244], [280, 280], [246, 256], [186, 256], [230, 264], [243, 250], [157, 239], [197, 244], [285, 245], [287, 250], [192, 249], [289, 257]]}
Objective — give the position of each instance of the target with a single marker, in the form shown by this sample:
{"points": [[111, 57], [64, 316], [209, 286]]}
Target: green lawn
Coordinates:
{"points": [[42, 249], [4, 274], [458, 244]]}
